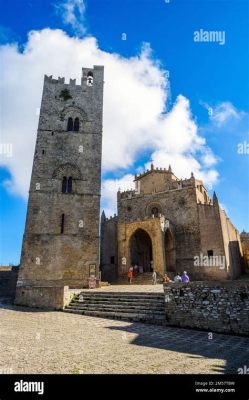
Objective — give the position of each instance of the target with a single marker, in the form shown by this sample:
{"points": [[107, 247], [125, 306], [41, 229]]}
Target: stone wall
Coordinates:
{"points": [[218, 306], [197, 225], [109, 249], [179, 207], [47, 297], [8, 278], [152, 226], [232, 245], [244, 237], [61, 239]]}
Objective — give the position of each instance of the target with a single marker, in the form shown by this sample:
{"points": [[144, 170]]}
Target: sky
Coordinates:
{"points": [[176, 92]]}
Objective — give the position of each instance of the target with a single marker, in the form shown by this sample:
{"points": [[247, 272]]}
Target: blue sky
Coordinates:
{"points": [[210, 78]]}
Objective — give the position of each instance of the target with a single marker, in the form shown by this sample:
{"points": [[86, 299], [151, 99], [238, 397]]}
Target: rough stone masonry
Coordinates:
{"points": [[214, 306], [61, 239]]}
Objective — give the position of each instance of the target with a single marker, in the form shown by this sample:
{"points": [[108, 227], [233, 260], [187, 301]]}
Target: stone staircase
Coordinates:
{"points": [[143, 307], [139, 279]]}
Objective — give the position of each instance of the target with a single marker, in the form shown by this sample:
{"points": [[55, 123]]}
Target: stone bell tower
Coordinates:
{"points": [[61, 239]]}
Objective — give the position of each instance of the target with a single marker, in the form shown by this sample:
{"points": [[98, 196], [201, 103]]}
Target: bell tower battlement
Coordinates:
{"points": [[62, 100]]}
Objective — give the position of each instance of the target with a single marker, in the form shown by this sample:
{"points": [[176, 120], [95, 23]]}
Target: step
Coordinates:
{"points": [[116, 309], [154, 306], [119, 300], [135, 295], [135, 303], [123, 316], [144, 314]]}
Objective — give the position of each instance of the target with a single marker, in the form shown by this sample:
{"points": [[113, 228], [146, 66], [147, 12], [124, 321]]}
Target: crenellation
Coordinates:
{"points": [[95, 72]]}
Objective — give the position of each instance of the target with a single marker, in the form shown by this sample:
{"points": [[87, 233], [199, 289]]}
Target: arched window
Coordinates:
{"points": [[64, 185], [89, 80], [70, 124], [155, 211], [76, 126], [62, 222], [69, 185]]}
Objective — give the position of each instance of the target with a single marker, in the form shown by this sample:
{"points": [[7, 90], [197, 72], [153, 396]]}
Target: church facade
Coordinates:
{"points": [[169, 225]]}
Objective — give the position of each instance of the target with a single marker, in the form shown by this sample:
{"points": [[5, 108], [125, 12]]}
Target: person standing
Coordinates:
{"points": [[185, 277], [177, 278], [154, 278], [130, 274]]}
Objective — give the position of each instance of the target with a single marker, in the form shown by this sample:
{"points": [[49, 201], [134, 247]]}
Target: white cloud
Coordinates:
{"points": [[135, 94], [109, 191], [72, 13], [224, 112]]}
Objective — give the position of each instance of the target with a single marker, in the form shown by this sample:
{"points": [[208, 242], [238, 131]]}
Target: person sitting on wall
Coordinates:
{"points": [[185, 277], [166, 279], [141, 269], [177, 278]]}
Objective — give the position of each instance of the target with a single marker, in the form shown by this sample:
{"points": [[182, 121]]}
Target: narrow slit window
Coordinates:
{"points": [[62, 222]]}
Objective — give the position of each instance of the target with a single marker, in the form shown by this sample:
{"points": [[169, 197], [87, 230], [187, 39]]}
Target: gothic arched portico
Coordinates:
{"points": [[143, 240], [140, 248]]}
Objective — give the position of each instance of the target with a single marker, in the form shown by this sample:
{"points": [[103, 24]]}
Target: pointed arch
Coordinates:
{"points": [[140, 249]]}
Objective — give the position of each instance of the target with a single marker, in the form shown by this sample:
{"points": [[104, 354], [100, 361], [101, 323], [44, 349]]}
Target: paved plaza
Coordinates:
{"points": [[34, 341]]}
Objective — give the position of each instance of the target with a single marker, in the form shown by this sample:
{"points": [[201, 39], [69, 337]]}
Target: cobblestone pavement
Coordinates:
{"points": [[35, 341]]}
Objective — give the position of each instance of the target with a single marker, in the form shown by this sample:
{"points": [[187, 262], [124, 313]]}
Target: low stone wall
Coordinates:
{"points": [[214, 306], [46, 297], [8, 278]]}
